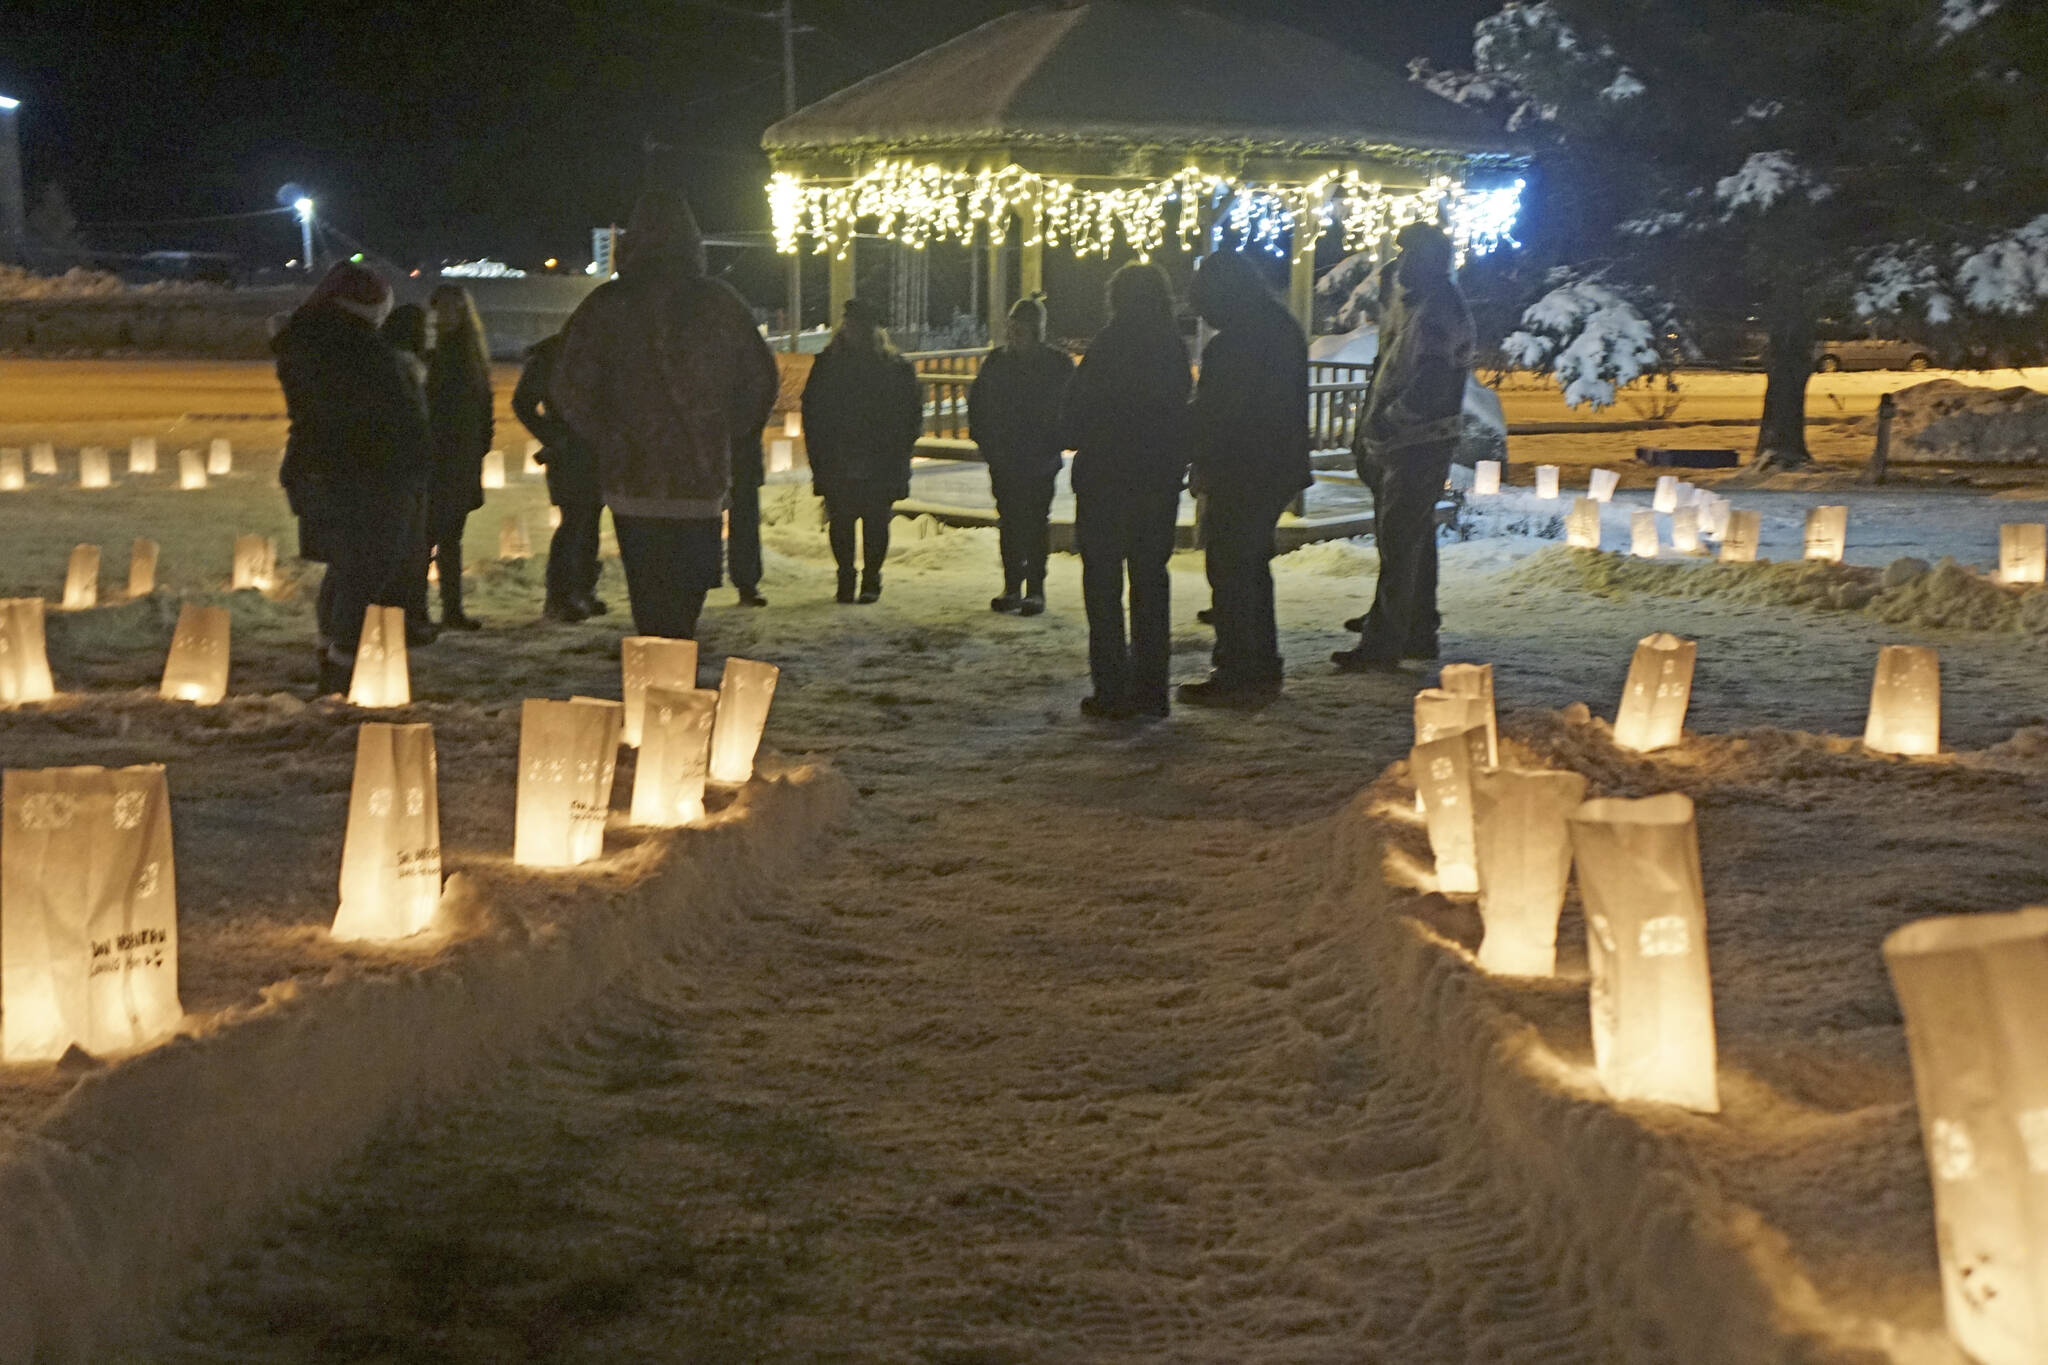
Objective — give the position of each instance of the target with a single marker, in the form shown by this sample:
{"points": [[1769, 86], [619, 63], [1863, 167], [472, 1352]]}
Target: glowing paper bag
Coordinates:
{"points": [[1646, 940], [1485, 478], [383, 672], [191, 470], [42, 458], [94, 469], [1827, 533], [142, 557], [13, 477], [142, 455], [533, 468], [1442, 770], [1476, 681], [24, 657], [792, 423], [391, 855], [1685, 530], [220, 456], [1905, 702], [88, 911], [512, 543], [1601, 483], [1713, 516], [568, 752], [652, 661], [1525, 861], [494, 469], [745, 692], [82, 578], [1582, 525], [1546, 480], [675, 756], [1974, 993], [1739, 541], [255, 563], [1657, 693], [1665, 499], [1642, 534], [2023, 553], [197, 668], [781, 457], [1440, 712]]}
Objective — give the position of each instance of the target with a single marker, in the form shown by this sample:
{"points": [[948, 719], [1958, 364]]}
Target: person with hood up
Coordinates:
{"points": [[1406, 438], [1013, 409], [357, 459], [863, 413], [1126, 420], [459, 405], [662, 370], [1251, 460], [572, 486]]}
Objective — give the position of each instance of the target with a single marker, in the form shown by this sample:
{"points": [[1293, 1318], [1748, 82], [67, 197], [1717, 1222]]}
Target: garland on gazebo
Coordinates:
{"points": [[918, 203]]}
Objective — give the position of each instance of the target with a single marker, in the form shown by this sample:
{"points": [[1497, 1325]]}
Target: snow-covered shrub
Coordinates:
{"points": [[1589, 337]]}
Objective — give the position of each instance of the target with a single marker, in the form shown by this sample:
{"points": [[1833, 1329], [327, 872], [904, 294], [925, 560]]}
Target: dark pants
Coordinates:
{"points": [[670, 565], [1238, 545], [1405, 490], [1023, 517], [1122, 534], [572, 553], [368, 563], [872, 514], [439, 542], [743, 535]]}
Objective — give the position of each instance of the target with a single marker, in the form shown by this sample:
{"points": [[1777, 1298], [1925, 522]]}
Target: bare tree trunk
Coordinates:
{"points": [[1788, 365]]}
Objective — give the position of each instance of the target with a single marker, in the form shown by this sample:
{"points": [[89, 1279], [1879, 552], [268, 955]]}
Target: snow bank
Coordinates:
{"points": [[110, 1205], [1946, 422]]}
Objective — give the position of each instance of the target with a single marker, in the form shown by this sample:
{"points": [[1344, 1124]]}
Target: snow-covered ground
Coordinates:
{"points": [[1078, 1049]]}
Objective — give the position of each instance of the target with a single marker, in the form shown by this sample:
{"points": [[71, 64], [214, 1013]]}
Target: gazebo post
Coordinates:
{"points": [[1301, 287]]}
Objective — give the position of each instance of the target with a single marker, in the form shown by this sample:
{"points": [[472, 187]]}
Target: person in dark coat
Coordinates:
{"points": [[357, 459], [459, 405], [1126, 419], [1406, 439], [863, 414], [1251, 460], [1013, 409], [662, 371], [572, 486], [407, 332], [743, 519]]}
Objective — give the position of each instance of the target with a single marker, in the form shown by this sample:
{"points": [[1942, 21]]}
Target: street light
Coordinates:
{"points": [[6, 104], [304, 206]]}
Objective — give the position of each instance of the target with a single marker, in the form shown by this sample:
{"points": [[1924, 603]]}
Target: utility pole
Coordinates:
{"points": [[796, 259]]}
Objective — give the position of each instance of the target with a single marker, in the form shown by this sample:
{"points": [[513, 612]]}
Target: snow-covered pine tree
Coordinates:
{"points": [[1783, 160]]}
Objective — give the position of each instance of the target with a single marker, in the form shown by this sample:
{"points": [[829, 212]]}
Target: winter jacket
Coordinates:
{"points": [[1013, 409], [572, 468], [863, 414], [1251, 406], [661, 371], [459, 406], [1126, 412], [1418, 382], [359, 437]]}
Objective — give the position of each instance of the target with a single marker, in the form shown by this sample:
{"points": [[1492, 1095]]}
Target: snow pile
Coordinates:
{"points": [[146, 1167], [1948, 596], [1946, 422], [80, 283], [1764, 179]]}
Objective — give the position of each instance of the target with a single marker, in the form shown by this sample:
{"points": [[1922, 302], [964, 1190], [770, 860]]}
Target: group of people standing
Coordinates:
{"points": [[653, 398]]}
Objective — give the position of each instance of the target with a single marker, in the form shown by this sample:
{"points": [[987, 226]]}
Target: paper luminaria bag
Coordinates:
{"points": [[512, 542], [494, 469], [1905, 702], [1743, 530], [142, 557], [1642, 534], [255, 563], [13, 476], [82, 578], [568, 753], [1582, 525], [142, 455], [1485, 478], [1665, 499], [2023, 552], [383, 672], [1657, 693], [88, 911], [1652, 998], [1827, 533], [196, 669], [1974, 993], [1476, 680], [24, 657], [745, 693], [94, 469], [1685, 530], [1546, 481], [42, 458], [675, 756], [533, 468], [220, 456], [1440, 711], [1525, 862], [191, 469], [1601, 483], [1442, 770], [652, 661], [391, 855]]}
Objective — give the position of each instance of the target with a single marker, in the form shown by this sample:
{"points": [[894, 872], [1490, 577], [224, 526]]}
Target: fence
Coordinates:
{"points": [[1336, 397], [945, 377]]}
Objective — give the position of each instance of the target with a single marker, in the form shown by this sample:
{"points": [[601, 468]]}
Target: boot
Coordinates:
{"points": [[1034, 600], [564, 610], [871, 586], [1011, 599], [335, 674], [846, 585]]}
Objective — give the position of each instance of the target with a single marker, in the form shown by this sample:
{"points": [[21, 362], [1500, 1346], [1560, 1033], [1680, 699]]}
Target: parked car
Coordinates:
{"points": [[1870, 353]]}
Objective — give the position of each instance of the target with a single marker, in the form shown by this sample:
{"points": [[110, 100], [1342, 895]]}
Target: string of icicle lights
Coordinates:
{"points": [[917, 204]]}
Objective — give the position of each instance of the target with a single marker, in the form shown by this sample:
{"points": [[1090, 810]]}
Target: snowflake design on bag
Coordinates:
{"points": [[128, 810], [415, 801], [380, 801], [48, 810], [146, 881], [1953, 1152], [1603, 932], [1665, 936]]}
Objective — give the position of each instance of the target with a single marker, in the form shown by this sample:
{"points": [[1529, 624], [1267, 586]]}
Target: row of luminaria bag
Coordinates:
{"points": [[24, 657]]}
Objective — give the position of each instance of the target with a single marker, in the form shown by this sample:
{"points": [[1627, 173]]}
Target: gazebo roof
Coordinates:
{"points": [[1130, 74]]}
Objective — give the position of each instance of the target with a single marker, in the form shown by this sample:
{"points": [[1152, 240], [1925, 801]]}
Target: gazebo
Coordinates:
{"points": [[1089, 127]]}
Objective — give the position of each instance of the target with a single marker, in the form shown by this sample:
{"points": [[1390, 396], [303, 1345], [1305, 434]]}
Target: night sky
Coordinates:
{"points": [[462, 128]]}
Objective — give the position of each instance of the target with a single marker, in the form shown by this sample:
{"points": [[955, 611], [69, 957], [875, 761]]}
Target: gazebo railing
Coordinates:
{"points": [[945, 377], [1336, 397]]}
